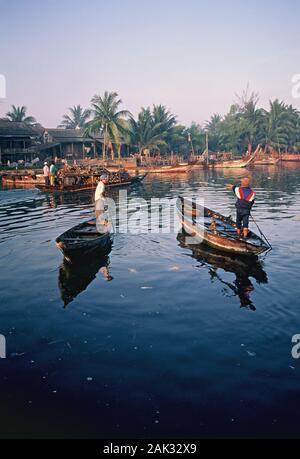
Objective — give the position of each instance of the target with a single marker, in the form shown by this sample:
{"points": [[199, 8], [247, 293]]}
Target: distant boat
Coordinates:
{"points": [[83, 239], [88, 185], [17, 179], [180, 168], [266, 161], [290, 157], [234, 163], [216, 230]]}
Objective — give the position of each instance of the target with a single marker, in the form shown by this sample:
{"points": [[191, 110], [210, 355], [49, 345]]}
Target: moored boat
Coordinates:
{"points": [[216, 230], [266, 161], [234, 163], [83, 239], [290, 157], [180, 168], [89, 185], [22, 179]]}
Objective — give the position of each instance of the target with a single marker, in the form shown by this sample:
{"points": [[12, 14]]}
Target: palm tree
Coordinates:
{"points": [[19, 114], [77, 119], [212, 125], [280, 125], [108, 120], [161, 116], [145, 133]]}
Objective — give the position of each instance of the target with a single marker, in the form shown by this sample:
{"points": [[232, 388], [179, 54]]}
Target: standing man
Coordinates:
{"points": [[100, 209], [53, 171], [245, 200], [46, 172]]}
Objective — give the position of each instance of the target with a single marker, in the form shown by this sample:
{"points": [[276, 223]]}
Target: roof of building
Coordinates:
{"points": [[16, 129], [70, 135]]}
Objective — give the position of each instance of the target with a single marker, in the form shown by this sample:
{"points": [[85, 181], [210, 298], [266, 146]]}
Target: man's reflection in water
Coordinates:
{"points": [[242, 267], [105, 273], [242, 287]]}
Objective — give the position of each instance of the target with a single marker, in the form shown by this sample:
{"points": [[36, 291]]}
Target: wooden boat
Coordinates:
{"points": [[180, 168], [83, 239], [89, 186], [216, 230], [290, 157], [23, 179], [234, 163], [266, 161]]}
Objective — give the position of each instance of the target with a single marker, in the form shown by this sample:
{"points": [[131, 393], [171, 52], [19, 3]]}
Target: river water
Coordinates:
{"points": [[157, 339]]}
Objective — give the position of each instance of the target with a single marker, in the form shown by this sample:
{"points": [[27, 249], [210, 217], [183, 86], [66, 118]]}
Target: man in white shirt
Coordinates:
{"points": [[100, 190], [46, 172], [100, 208]]}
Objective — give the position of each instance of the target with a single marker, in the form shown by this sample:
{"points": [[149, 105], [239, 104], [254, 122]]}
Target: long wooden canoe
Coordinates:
{"points": [[234, 163], [207, 226], [266, 161], [179, 169], [83, 239]]}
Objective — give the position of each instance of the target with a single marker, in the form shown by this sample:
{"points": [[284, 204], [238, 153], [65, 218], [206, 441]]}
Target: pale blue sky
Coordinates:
{"points": [[192, 55]]}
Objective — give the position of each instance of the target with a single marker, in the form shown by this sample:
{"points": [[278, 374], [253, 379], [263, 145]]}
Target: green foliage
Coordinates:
{"points": [[153, 129], [108, 120], [19, 114], [77, 119]]}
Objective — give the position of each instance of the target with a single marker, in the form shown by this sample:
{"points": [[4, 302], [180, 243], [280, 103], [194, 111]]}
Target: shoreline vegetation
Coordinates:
{"points": [[156, 130]]}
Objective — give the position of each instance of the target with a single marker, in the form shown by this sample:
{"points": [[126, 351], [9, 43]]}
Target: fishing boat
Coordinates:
{"points": [[82, 240], [234, 163], [216, 230], [180, 168], [22, 179], [89, 185], [266, 161], [290, 157]]}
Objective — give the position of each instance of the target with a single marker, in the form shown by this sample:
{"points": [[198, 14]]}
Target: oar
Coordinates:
{"points": [[262, 234]]}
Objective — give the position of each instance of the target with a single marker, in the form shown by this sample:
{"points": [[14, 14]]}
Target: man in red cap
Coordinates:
{"points": [[245, 200]]}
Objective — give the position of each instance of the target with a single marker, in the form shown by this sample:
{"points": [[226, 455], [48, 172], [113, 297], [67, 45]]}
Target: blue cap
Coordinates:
{"points": [[103, 177]]}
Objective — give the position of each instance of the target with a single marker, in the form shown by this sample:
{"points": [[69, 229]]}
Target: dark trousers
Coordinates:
{"points": [[242, 217], [47, 181]]}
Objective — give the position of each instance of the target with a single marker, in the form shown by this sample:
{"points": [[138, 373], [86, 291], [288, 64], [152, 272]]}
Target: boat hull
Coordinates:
{"points": [[293, 157], [83, 239], [223, 237], [266, 162]]}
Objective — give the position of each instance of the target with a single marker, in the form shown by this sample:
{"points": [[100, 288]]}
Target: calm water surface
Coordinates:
{"points": [[179, 343]]}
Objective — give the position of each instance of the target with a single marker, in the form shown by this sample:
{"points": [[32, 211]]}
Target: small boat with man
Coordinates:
{"points": [[204, 225]]}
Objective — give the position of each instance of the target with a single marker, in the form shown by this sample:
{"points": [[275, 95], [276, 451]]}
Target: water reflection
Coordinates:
{"points": [[242, 267], [74, 278]]}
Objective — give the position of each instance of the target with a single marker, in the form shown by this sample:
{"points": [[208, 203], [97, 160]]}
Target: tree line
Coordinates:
{"points": [[241, 130]]}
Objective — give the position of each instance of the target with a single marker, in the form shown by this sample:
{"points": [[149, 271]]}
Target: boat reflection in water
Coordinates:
{"points": [[74, 278], [242, 267]]}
